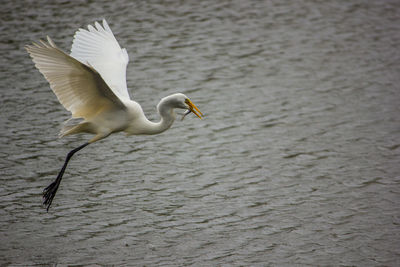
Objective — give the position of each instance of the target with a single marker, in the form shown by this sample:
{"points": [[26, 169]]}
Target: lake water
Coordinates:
{"points": [[297, 161]]}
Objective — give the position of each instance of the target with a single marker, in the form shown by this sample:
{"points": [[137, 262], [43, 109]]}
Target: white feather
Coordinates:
{"points": [[80, 89], [98, 48]]}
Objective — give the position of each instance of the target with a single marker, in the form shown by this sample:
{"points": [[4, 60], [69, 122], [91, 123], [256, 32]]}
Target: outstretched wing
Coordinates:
{"points": [[98, 48], [79, 88]]}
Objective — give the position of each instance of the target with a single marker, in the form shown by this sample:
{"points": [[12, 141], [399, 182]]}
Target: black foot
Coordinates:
{"points": [[50, 192]]}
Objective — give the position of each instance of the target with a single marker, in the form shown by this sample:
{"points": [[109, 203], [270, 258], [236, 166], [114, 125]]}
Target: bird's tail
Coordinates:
{"points": [[73, 128]]}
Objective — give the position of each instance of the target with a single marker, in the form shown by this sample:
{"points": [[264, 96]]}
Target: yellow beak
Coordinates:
{"points": [[193, 108]]}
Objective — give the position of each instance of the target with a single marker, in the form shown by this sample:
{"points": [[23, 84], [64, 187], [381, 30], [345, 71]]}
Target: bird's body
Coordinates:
{"points": [[91, 84], [130, 119]]}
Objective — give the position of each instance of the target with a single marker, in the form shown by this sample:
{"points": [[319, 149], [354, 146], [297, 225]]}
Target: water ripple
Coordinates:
{"points": [[295, 163]]}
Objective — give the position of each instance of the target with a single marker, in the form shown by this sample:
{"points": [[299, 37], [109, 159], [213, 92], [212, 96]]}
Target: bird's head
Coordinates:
{"points": [[181, 101]]}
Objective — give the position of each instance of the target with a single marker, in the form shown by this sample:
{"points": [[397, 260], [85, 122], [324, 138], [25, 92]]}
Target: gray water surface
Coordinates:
{"points": [[295, 163]]}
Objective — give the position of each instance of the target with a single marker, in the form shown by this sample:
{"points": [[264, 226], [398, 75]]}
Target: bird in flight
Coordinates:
{"points": [[91, 84]]}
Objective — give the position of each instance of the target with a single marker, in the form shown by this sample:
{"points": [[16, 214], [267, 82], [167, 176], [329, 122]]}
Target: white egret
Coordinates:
{"points": [[91, 84]]}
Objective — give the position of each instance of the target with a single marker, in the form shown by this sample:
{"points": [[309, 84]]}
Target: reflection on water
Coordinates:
{"points": [[296, 162]]}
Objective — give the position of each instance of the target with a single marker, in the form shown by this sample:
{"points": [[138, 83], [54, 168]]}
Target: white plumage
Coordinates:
{"points": [[99, 48], [91, 84]]}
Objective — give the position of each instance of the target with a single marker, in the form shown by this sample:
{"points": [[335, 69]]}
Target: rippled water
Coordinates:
{"points": [[296, 163]]}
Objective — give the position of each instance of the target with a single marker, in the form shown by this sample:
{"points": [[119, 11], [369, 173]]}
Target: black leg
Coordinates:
{"points": [[50, 192]]}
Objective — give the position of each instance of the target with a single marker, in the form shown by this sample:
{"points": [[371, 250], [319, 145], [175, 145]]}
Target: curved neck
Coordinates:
{"points": [[141, 125], [167, 115]]}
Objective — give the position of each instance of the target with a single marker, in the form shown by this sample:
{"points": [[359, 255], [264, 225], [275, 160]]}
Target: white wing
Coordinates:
{"points": [[79, 88], [97, 47]]}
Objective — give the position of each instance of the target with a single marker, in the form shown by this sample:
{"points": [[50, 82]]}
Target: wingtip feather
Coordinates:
{"points": [[51, 42], [91, 28], [98, 26], [106, 27]]}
